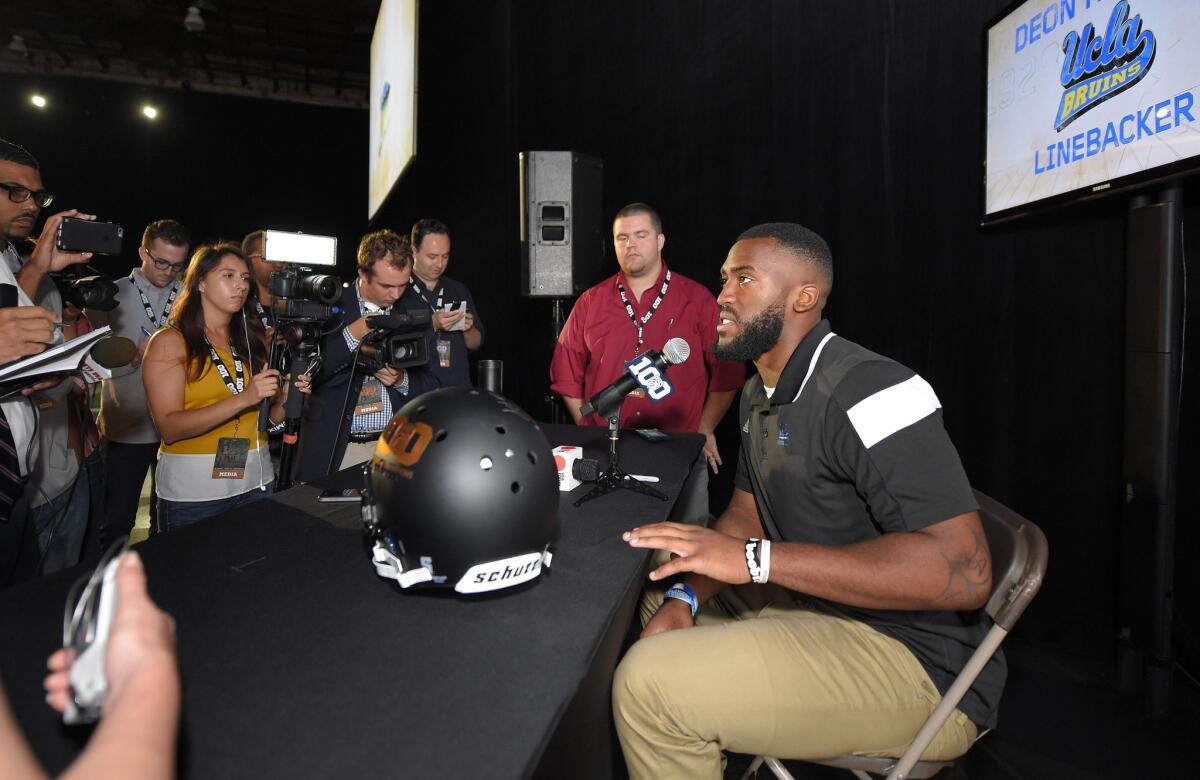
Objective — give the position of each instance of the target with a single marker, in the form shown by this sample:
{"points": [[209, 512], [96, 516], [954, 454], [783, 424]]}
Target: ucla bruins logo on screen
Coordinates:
{"points": [[1097, 67]]}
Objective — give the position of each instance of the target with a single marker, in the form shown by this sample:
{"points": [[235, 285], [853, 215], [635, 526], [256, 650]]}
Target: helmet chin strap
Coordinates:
{"points": [[390, 567], [387, 565]]}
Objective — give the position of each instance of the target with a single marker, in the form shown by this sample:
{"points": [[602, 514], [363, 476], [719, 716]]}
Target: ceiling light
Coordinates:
{"points": [[17, 45], [193, 21], [150, 112], [38, 101]]}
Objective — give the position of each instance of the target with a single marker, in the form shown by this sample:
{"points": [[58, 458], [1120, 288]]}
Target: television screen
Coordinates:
{"points": [[1086, 97], [393, 98]]}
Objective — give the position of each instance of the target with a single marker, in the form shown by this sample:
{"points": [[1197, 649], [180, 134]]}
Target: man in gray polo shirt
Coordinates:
{"points": [[145, 298], [852, 524]]}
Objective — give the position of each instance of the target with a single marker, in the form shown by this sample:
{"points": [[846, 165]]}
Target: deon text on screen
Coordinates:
{"points": [[1045, 21]]}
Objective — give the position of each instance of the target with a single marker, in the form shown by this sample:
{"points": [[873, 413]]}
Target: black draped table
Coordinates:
{"points": [[298, 661]]}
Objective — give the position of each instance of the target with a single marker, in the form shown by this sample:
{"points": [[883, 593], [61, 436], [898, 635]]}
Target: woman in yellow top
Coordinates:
{"points": [[206, 377]]}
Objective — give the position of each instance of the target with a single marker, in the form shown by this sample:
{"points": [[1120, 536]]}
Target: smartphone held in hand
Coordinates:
{"points": [[82, 235]]}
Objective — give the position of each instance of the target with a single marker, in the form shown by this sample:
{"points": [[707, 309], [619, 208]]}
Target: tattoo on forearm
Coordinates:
{"points": [[969, 573]]}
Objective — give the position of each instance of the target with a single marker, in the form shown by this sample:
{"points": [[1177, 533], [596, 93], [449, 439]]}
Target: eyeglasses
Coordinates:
{"points": [[163, 265], [19, 194]]}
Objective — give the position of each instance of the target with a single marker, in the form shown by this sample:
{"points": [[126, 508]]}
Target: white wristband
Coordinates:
{"points": [[764, 565], [758, 559]]}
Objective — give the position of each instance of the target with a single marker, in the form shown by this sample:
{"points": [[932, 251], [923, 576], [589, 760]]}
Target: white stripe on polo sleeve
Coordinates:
{"points": [[878, 416]]}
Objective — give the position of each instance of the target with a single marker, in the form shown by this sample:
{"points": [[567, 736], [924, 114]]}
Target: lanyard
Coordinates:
{"points": [[166, 312], [640, 324], [262, 315], [234, 387], [417, 290]]}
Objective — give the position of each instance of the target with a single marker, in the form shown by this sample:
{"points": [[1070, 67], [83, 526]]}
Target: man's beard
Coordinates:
{"points": [[20, 232], [757, 336]]}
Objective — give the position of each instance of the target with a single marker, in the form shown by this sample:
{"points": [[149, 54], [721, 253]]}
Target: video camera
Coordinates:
{"points": [[86, 292], [395, 340], [303, 297]]}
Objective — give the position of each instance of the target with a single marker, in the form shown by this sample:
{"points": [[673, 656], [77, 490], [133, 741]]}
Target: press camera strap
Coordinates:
{"points": [[234, 387], [166, 312], [443, 343], [417, 289], [640, 323], [233, 452]]}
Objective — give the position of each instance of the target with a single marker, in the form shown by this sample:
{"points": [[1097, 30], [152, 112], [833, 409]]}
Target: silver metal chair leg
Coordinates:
{"points": [[777, 768], [754, 765]]}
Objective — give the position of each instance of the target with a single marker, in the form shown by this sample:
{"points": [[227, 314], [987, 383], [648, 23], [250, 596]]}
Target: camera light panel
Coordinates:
{"points": [[299, 248]]}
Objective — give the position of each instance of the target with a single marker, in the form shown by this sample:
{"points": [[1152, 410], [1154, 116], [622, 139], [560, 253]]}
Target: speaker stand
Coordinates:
{"points": [[555, 411], [1153, 352]]}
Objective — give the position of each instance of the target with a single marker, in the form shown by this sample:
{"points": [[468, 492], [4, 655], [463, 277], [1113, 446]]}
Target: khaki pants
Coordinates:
{"points": [[766, 674]]}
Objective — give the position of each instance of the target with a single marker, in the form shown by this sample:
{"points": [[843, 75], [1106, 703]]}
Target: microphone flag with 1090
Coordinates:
{"points": [[648, 372]]}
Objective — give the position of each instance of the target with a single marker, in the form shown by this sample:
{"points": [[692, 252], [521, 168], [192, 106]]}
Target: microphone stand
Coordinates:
{"points": [[614, 477]]}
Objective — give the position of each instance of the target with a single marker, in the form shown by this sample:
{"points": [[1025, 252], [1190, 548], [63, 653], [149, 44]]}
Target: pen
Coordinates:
{"points": [[148, 333]]}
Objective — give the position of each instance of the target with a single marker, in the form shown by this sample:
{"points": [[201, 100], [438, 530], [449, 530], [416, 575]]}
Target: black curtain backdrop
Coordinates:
{"points": [[859, 119], [222, 165]]}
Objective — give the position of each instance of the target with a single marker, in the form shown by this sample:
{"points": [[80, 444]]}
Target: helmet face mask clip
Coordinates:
{"points": [[461, 492]]}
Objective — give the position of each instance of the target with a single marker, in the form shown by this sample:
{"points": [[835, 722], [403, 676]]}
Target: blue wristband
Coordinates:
{"points": [[684, 593]]}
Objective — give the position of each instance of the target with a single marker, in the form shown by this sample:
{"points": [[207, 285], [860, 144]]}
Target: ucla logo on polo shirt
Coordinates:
{"points": [[1097, 67]]}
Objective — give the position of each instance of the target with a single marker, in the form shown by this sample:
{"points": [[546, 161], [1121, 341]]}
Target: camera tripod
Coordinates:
{"points": [[296, 345]]}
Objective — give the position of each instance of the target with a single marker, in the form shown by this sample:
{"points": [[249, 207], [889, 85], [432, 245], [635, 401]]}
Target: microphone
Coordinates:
{"points": [[586, 469], [107, 354], [114, 352], [673, 353]]}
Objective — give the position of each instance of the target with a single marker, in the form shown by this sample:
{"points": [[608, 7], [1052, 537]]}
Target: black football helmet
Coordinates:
{"points": [[462, 492]]}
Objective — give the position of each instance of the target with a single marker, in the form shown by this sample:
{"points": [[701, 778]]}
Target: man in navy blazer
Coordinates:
{"points": [[349, 408]]}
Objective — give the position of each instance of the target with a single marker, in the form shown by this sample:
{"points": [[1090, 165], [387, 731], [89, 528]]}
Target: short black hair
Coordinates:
{"points": [[634, 209], [801, 241], [18, 154], [425, 227], [169, 230]]}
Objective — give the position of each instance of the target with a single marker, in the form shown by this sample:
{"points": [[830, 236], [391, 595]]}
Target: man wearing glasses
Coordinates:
{"points": [[252, 248], [145, 298], [25, 329]]}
